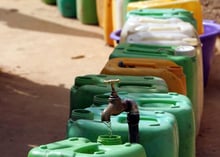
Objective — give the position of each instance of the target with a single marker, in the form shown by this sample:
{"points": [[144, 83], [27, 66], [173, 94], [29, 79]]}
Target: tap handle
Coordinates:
{"points": [[112, 81]]}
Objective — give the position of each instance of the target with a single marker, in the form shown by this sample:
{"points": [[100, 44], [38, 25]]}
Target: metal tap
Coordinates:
{"points": [[117, 106]]}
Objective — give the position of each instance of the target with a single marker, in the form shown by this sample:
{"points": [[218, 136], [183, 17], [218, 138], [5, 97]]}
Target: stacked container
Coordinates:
{"points": [[149, 30], [86, 11], [159, 64], [86, 87], [176, 104], [152, 124], [175, 31], [81, 147], [193, 6], [169, 27], [185, 56], [168, 70], [67, 7]]}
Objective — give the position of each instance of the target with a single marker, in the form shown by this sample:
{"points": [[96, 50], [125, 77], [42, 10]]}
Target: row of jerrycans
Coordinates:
{"points": [[168, 121], [166, 126], [84, 122], [87, 90], [144, 27], [179, 66]]}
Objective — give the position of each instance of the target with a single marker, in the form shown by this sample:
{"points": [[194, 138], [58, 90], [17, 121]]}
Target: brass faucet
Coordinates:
{"points": [[117, 106]]}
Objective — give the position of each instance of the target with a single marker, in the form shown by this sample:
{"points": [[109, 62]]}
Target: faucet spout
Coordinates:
{"points": [[117, 106], [114, 107]]}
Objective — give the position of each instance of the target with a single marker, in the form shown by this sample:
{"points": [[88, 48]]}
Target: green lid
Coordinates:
{"points": [[109, 139]]}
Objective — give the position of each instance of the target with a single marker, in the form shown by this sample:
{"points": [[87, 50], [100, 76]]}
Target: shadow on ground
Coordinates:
{"points": [[14, 19], [208, 141], [31, 114]]}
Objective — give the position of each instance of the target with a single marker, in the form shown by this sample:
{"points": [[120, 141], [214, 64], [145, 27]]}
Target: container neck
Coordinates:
{"points": [[109, 139]]}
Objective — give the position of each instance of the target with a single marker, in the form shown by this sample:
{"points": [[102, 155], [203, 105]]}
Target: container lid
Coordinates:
{"points": [[109, 139], [185, 51]]}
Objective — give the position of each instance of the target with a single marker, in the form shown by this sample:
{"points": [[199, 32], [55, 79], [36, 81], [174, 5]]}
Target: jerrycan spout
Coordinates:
{"points": [[117, 106]]}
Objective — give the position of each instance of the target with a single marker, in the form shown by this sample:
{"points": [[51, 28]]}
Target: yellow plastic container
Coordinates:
{"points": [[100, 12], [191, 5], [168, 70], [108, 22]]}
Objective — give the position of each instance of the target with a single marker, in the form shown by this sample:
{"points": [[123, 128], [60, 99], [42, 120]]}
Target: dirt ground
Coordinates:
{"points": [[40, 55]]}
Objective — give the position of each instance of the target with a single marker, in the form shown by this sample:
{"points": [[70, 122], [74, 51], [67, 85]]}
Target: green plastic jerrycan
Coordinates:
{"points": [[178, 105], [67, 7], [86, 11], [164, 13], [81, 147], [185, 56], [158, 130], [86, 87], [52, 2]]}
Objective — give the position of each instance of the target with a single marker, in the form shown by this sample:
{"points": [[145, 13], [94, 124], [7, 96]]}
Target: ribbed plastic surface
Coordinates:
{"points": [[86, 87], [168, 70], [185, 56], [193, 6], [165, 13], [176, 104], [158, 131], [149, 30], [82, 147]]}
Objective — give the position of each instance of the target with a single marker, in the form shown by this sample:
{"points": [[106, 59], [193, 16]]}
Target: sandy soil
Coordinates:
{"points": [[40, 55]]}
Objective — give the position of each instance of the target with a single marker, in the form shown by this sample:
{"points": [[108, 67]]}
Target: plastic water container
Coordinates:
{"points": [[165, 13], [114, 17], [176, 104], [52, 2], [100, 12], [108, 22], [185, 56], [86, 87], [168, 70], [158, 131], [67, 7], [81, 147], [119, 10], [201, 62], [208, 39], [149, 30], [193, 6], [86, 11]]}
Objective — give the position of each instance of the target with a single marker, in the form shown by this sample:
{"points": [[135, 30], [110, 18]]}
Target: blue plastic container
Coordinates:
{"points": [[208, 39]]}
